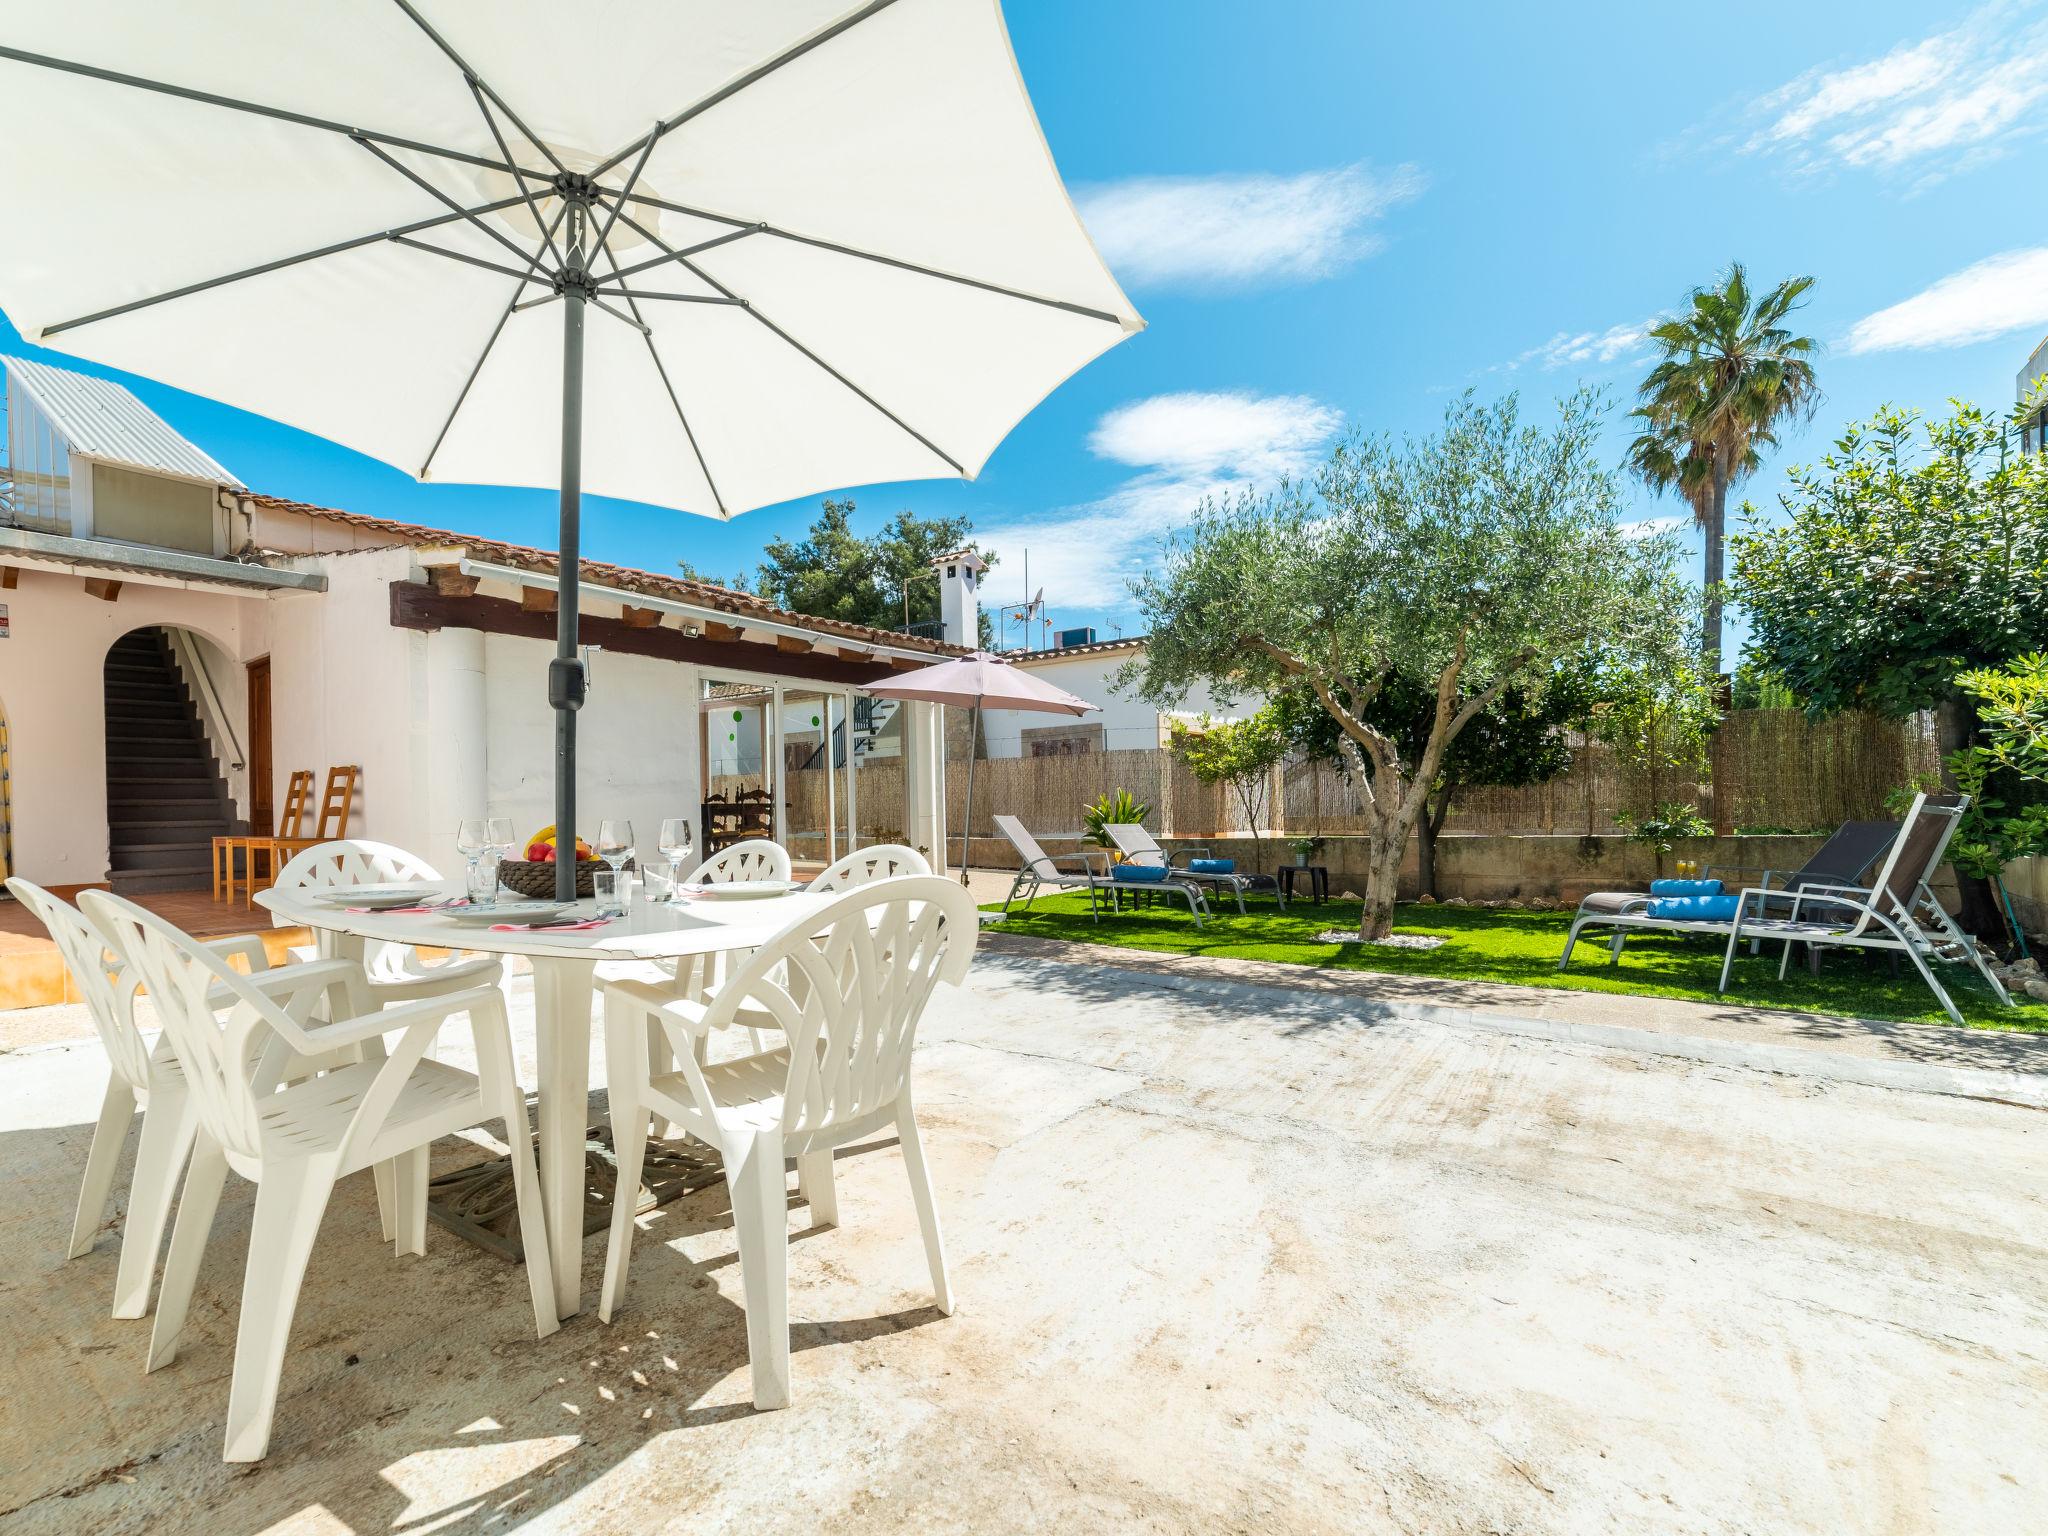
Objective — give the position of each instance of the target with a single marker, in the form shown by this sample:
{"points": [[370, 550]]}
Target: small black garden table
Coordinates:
{"points": [[1318, 880]]}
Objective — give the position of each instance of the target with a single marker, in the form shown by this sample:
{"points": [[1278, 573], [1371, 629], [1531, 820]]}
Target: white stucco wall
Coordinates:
{"points": [[636, 743], [1128, 723], [444, 725], [52, 689]]}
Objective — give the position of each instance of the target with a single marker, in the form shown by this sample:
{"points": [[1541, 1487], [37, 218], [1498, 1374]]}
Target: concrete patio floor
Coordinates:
{"points": [[1238, 1258]]}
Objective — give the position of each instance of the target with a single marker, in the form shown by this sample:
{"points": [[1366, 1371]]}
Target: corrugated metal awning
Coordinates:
{"points": [[99, 419]]}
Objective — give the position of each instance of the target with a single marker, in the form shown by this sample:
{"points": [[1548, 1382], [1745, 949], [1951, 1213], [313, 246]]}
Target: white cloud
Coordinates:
{"points": [[1655, 527], [1232, 231], [1259, 436], [1925, 107], [2003, 293], [1578, 349], [1187, 448]]}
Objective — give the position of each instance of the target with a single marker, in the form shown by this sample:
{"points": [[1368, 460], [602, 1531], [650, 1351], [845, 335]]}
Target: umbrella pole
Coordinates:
{"points": [[565, 673], [967, 816]]}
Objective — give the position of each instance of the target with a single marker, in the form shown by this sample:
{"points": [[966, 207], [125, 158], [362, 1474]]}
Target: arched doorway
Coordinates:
{"points": [[167, 798]]}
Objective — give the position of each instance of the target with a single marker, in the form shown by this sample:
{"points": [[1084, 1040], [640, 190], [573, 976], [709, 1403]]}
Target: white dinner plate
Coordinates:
{"points": [[739, 890], [505, 912], [376, 896]]}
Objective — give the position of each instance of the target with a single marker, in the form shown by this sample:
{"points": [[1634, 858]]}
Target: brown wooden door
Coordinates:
{"points": [[262, 810]]}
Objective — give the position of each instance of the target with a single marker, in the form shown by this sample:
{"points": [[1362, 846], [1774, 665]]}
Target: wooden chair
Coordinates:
{"points": [[292, 824], [336, 801]]}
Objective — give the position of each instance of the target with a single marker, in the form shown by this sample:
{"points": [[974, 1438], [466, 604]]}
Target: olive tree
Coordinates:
{"points": [[1472, 560]]}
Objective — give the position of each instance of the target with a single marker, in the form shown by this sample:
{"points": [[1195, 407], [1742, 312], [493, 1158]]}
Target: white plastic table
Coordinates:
{"points": [[564, 970]]}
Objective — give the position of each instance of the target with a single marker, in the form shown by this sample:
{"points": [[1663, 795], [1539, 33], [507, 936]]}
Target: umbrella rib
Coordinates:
{"points": [[528, 276], [688, 250], [612, 213], [758, 72], [661, 371], [496, 331], [380, 236], [676, 298], [749, 226], [750, 308], [438, 195], [519, 176], [233, 104], [482, 84]]}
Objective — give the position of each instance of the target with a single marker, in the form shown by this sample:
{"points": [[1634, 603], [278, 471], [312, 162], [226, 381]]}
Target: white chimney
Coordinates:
{"points": [[959, 601]]}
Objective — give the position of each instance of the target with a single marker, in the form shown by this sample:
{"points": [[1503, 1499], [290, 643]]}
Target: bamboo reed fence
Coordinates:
{"points": [[1771, 769]]}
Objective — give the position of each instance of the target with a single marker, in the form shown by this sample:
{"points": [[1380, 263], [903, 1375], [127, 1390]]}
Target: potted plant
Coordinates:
{"points": [[1119, 809], [1304, 848]]}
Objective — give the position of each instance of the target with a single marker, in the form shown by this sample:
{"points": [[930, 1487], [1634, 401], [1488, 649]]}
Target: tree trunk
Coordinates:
{"points": [[1434, 812], [1955, 728], [1716, 529], [1383, 877]]}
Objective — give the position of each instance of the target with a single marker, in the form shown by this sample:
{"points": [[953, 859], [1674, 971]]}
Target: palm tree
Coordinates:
{"points": [[1731, 371]]}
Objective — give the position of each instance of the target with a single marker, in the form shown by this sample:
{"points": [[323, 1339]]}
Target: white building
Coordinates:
{"points": [[1092, 670], [173, 646], [2035, 436]]}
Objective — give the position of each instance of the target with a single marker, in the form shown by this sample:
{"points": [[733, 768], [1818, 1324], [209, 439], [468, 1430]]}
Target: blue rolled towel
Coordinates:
{"points": [[1138, 874], [1685, 887], [1212, 866], [1696, 909]]}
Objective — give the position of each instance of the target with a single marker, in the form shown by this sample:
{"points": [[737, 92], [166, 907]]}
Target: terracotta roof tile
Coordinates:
{"points": [[542, 561]]}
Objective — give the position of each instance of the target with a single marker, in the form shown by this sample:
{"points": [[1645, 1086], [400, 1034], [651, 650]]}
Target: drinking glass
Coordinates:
{"points": [[615, 842], [675, 843], [612, 891], [472, 838]]}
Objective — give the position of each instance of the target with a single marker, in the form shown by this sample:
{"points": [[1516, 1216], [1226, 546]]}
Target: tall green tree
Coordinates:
{"points": [[884, 580], [1731, 372], [1522, 739], [1471, 560], [1915, 552], [1238, 754]]}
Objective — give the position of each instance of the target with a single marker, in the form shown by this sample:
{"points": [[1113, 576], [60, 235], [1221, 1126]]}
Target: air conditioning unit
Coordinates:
{"points": [[1063, 638]]}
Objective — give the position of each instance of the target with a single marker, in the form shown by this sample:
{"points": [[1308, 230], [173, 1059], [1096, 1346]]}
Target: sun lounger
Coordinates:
{"points": [[1897, 912], [1041, 870], [1844, 859], [1140, 847]]}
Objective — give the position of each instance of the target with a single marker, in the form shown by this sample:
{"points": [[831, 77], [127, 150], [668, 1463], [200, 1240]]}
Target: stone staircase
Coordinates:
{"points": [[166, 799]]}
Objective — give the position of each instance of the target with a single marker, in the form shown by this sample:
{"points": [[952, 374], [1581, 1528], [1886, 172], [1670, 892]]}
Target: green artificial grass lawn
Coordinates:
{"points": [[1521, 949]]}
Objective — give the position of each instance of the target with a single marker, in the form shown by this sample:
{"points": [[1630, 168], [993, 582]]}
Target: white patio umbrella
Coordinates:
{"points": [[825, 242], [978, 681]]}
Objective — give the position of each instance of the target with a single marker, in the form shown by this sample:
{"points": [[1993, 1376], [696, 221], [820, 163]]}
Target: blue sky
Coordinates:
{"points": [[1336, 214]]}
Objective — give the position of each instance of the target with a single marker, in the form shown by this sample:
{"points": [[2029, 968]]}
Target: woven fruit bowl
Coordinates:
{"points": [[535, 878]]}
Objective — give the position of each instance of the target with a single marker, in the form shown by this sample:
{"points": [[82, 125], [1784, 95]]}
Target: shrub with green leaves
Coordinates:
{"points": [[1119, 809]]}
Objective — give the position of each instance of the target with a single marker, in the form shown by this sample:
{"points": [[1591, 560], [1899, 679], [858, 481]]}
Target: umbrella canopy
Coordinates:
{"points": [[976, 682], [819, 243]]}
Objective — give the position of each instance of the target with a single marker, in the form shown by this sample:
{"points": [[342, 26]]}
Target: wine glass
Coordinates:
{"points": [[615, 842], [675, 843], [472, 841]]}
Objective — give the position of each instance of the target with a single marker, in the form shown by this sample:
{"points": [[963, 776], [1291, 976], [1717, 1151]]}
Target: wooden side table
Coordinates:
{"points": [[1318, 880]]}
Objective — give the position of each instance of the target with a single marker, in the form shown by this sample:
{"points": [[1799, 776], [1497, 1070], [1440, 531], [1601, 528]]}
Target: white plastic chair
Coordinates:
{"points": [[884, 861], [868, 963], [396, 972], [755, 859], [296, 1142], [140, 1077]]}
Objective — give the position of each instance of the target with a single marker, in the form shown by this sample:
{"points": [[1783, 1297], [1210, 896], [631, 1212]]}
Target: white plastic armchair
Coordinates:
{"points": [[755, 859], [396, 972], [867, 964], [294, 1143], [864, 866], [139, 1078]]}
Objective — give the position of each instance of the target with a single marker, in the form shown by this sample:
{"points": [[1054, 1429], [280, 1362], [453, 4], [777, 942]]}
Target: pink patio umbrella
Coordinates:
{"points": [[978, 681]]}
